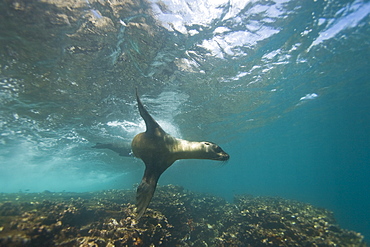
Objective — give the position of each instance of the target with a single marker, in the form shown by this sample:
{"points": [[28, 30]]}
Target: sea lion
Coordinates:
{"points": [[123, 149], [159, 151]]}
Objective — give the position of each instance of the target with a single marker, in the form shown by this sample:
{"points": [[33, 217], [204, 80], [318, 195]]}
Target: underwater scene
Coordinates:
{"points": [[254, 118]]}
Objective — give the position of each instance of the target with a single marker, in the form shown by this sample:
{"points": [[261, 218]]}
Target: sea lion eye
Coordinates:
{"points": [[207, 143]]}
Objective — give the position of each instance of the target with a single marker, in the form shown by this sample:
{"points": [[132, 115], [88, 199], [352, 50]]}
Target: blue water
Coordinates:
{"points": [[319, 155], [282, 86]]}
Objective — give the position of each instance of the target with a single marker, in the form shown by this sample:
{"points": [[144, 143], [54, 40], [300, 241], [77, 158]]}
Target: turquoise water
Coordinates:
{"points": [[282, 86]]}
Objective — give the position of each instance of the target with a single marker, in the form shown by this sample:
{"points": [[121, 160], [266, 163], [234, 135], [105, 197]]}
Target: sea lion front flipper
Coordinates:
{"points": [[150, 123], [145, 191]]}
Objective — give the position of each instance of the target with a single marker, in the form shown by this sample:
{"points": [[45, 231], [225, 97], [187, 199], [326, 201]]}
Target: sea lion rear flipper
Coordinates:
{"points": [[121, 149], [145, 191], [150, 123]]}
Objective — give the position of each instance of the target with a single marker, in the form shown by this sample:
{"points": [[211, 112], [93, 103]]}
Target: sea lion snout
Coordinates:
{"points": [[224, 156], [220, 154]]}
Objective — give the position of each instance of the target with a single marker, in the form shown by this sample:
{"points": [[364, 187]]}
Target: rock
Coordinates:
{"points": [[176, 217]]}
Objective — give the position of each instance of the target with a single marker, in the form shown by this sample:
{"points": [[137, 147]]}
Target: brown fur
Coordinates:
{"points": [[159, 151]]}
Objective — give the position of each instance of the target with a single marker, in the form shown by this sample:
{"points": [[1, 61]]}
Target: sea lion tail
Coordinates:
{"points": [[145, 192]]}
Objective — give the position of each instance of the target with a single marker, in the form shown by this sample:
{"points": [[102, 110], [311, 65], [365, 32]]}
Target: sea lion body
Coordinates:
{"points": [[167, 149], [159, 151]]}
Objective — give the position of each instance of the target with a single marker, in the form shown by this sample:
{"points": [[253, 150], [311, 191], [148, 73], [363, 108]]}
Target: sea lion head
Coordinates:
{"points": [[214, 152]]}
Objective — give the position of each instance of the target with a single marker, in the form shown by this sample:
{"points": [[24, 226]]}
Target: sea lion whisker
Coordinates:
{"points": [[224, 162]]}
